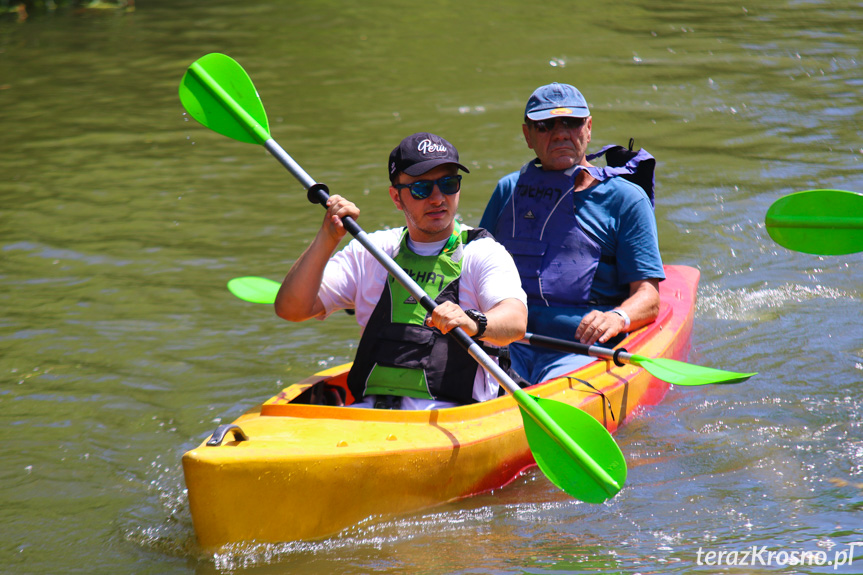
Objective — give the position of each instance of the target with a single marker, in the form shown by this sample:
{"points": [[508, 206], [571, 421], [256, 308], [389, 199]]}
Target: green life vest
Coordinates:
{"points": [[398, 354]]}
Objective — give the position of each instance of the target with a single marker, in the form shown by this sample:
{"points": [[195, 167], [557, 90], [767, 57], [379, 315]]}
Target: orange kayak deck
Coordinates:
{"points": [[300, 467]]}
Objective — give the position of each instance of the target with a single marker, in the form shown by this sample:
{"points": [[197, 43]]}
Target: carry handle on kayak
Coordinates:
{"points": [[219, 435]]}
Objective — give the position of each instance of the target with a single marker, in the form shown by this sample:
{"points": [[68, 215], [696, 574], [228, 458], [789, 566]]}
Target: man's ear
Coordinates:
{"points": [[397, 200], [524, 130]]}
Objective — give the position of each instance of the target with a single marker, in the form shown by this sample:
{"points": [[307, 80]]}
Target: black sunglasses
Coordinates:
{"points": [[422, 189], [543, 126]]}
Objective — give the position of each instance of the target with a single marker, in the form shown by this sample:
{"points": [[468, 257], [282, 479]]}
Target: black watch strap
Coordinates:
{"points": [[480, 319]]}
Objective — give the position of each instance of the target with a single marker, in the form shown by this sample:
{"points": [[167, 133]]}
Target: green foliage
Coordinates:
{"points": [[23, 9]]}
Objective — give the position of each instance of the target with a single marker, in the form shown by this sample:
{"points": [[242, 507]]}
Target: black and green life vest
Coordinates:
{"points": [[398, 354]]}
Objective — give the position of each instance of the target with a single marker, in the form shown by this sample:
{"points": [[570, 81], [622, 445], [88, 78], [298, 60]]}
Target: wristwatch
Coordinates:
{"points": [[480, 319]]}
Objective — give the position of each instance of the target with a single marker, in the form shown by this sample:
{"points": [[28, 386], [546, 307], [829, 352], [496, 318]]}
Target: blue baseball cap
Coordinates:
{"points": [[555, 100]]}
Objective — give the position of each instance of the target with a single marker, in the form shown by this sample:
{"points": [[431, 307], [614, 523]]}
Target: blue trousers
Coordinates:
{"points": [[537, 364]]}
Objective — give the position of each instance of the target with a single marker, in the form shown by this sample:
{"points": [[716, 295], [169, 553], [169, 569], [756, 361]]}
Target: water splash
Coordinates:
{"points": [[164, 523], [745, 304], [373, 534]]}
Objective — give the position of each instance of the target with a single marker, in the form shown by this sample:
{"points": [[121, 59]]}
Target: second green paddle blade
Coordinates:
{"points": [[680, 373], [563, 470], [821, 222], [254, 289]]}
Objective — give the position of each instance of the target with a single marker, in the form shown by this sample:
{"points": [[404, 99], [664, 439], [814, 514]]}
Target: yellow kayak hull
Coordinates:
{"points": [[308, 470]]}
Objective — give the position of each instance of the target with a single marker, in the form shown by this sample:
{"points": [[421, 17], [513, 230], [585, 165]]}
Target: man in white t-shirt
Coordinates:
{"points": [[404, 360]]}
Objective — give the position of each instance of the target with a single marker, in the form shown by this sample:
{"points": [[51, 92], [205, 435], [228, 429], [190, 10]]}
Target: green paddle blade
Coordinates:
{"points": [[821, 222], [680, 373], [254, 289], [560, 467], [218, 93]]}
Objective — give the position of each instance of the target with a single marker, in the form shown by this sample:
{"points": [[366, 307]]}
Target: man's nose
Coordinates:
{"points": [[558, 130], [436, 196]]}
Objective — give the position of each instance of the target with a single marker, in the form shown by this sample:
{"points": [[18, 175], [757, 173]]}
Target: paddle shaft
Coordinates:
{"points": [[618, 356], [319, 193]]}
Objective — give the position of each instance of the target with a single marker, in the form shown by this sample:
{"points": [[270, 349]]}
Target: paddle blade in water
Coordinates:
{"points": [[821, 222], [218, 93], [564, 471], [680, 373], [254, 289]]}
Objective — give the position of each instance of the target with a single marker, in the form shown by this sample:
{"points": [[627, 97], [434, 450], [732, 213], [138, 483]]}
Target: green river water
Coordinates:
{"points": [[121, 220]]}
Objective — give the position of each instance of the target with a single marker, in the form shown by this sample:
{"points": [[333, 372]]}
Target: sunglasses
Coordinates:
{"points": [[422, 189], [543, 126]]}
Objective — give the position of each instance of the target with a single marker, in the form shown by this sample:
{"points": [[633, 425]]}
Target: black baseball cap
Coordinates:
{"points": [[419, 153]]}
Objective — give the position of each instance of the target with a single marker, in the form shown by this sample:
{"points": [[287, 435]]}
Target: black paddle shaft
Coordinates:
{"points": [[577, 347]]}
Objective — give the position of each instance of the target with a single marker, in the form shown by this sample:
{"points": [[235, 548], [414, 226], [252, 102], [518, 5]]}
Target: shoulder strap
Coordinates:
{"points": [[638, 167], [476, 233]]}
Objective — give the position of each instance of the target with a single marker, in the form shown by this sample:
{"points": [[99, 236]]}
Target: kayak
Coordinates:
{"points": [[303, 466]]}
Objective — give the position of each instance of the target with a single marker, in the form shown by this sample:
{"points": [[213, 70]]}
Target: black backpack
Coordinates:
{"points": [[636, 166]]}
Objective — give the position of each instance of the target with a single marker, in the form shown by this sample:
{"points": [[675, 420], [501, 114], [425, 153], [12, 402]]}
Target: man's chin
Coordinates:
{"points": [[435, 227], [559, 165], [559, 162]]}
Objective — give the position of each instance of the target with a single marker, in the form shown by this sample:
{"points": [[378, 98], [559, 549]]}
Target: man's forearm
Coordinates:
{"points": [[642, 305], [298, 299]]}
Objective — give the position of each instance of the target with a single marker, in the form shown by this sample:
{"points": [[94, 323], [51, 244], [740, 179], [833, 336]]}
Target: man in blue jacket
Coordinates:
{"points": [[583, 237]]}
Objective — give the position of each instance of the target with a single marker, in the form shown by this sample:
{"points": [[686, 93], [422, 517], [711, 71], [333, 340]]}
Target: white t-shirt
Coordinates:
{"points": [[354, 279]]}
